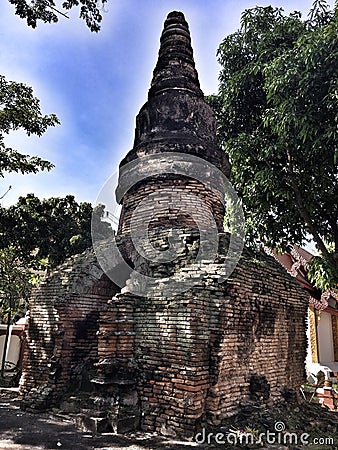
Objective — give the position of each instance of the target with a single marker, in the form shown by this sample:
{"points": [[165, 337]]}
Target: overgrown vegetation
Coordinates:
{"points": [[46, 232], [19, 109], [277, 119]]}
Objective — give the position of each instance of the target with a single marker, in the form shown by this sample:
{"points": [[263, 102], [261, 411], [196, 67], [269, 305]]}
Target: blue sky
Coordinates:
{"points": [[96, 83]]}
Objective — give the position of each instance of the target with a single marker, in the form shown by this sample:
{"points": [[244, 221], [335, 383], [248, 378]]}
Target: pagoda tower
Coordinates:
{"points": [[200, 343], [178, 342], [175, 120]]}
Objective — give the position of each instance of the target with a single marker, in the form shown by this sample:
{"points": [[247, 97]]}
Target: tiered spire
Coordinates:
{"points": [[176, 117], [175, 67]]}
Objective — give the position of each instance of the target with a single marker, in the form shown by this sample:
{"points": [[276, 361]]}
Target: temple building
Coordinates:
{"points": [[193, 329]]}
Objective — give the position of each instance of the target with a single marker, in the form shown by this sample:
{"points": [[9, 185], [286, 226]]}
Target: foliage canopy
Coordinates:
{"points": [[48, 11], [277, 119], [46, 232], [15, 281], [20, 109]]}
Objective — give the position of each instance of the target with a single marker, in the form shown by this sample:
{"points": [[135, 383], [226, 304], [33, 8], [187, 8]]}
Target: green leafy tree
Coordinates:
{"points": [[15, 287], [46, 232], [18, 106], [19, 109], [49, 11], [277, 119]]}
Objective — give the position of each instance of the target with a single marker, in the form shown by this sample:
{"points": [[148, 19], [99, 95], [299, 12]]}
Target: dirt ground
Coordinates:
{"points": [[21, 430]]}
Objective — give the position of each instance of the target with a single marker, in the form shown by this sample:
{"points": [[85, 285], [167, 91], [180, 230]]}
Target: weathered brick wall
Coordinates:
{"points": [[172, 354], [178, 202], [61, 336], [116, 338], [200, 355], [193, 358], [261, 337]]}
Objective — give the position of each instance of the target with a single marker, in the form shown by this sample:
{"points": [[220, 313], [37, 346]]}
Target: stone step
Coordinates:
{"points": [[86, 422], [74, 405], [92, 424], [9, 392]]}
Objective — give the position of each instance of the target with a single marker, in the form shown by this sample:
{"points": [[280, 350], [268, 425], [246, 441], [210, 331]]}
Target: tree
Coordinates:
{"points": [[48, 11], [15, 287], [20, 109], [277, 120], [39, 234], [46, 232]]}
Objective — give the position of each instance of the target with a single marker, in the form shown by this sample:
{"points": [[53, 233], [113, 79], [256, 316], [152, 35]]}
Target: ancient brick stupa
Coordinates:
{"points": [[182, 341], [175, 119]]}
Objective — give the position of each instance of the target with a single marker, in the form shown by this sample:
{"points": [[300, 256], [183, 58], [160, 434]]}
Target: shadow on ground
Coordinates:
{"points": [[21, 430]]}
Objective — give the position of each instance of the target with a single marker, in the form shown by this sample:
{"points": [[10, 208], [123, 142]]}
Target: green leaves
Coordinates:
{"points": [[13, 161], [322, 273], [49, 12], [15, 280], [46, 232], [277, 120], [20, 109], [35, 10]]}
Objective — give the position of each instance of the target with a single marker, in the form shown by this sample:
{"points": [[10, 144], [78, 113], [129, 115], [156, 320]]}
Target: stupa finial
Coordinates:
{"points": [[175, 68]]}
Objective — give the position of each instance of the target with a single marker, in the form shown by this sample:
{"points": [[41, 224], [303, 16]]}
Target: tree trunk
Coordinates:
{"points": [[9, 317], [304, 213]]}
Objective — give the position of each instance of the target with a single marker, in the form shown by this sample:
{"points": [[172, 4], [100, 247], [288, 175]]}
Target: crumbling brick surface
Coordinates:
{"points": [[194, 357], [202, 353], [262, 338], [61, 332], [171, 205]]}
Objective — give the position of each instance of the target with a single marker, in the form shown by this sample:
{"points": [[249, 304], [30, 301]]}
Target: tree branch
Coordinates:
{"points": [[59, 12], [305, 213], [10, 187]]}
